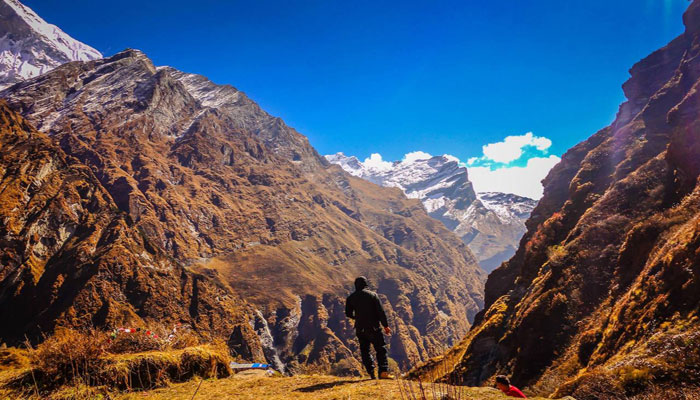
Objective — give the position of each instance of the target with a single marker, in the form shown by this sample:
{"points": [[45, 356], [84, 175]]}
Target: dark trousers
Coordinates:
{"points": [[375, 338]]}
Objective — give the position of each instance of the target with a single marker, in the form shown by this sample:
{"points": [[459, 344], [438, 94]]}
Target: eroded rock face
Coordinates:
{"points": [[212, 182], [602, 296]]}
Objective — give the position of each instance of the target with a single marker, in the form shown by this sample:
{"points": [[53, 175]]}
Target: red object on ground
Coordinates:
{"points": [[514, 392]]}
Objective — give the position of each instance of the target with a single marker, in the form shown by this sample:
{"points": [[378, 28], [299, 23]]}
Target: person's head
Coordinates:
{"points": [[503, 383], [361, 283]]}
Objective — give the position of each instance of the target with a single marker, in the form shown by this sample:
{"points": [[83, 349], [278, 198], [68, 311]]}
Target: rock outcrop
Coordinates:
{"points": [[490, 224], [220, 189], [601, 300]]}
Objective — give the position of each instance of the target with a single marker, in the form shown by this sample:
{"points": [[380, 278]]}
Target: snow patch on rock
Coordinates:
{"points": [[29, 46]]}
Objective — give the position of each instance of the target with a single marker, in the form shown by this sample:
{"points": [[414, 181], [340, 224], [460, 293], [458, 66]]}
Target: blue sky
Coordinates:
{"points": [[368, 77]]}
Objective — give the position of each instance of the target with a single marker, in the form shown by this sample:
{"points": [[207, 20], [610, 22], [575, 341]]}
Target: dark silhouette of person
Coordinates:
{"points": [[503, 384], [365, 308]]}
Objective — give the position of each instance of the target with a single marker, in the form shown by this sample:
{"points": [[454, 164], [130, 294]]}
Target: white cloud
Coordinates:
{"points": [[416, 155], [523, 181], [375, 161], [511, 148]]}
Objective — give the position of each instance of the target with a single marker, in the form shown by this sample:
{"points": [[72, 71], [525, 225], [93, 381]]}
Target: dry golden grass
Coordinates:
{"points": [[76, 365], [12, 358], [254, 385], [298, 387]]}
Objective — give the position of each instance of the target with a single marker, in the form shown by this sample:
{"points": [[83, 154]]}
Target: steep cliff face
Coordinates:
{"points": [[601, 299], [490, 224], [214, 183]]}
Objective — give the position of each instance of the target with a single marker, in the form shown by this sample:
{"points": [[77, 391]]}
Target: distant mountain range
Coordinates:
{"points": [[29, 46], [491, 224]]}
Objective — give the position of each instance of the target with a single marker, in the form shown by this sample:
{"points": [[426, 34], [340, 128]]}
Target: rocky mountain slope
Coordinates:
{"points": [[601, 299], [491, 224], [29, 46], [71, 257], [221, 190]]}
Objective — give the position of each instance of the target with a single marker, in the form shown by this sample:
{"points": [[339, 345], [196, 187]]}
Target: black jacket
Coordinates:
{"points": [[365, 308]]}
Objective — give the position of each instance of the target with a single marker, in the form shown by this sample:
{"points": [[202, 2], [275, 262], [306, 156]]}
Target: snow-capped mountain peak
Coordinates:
{"points": [[350, 164], [507, 206], [429, 179], [406, 174], [30, 46], [491, 224]]}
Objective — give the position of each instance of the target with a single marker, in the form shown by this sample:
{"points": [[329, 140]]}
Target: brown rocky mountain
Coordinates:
{"points": [[601, 300], [71, 257], [209, 211]]}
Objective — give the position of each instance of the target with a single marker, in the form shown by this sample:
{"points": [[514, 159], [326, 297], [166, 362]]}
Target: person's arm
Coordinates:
{"points": [[381, 314], [349, 309]]}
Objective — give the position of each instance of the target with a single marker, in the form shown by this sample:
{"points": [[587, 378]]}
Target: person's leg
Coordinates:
{"points": [[365, 353], [380, 347]]}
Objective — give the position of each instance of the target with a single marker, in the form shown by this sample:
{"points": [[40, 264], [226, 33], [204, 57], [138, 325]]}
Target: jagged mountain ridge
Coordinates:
{"points": [[279, 137], [601, 299], [29, 46], [228, 191], [491, 224]]}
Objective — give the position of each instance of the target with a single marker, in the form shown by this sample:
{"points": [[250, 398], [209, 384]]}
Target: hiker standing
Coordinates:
{"points": [[365, 308]]}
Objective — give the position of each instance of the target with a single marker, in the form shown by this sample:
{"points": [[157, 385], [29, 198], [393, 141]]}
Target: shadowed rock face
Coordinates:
{"points": [[223, 190], [602, 296]]}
